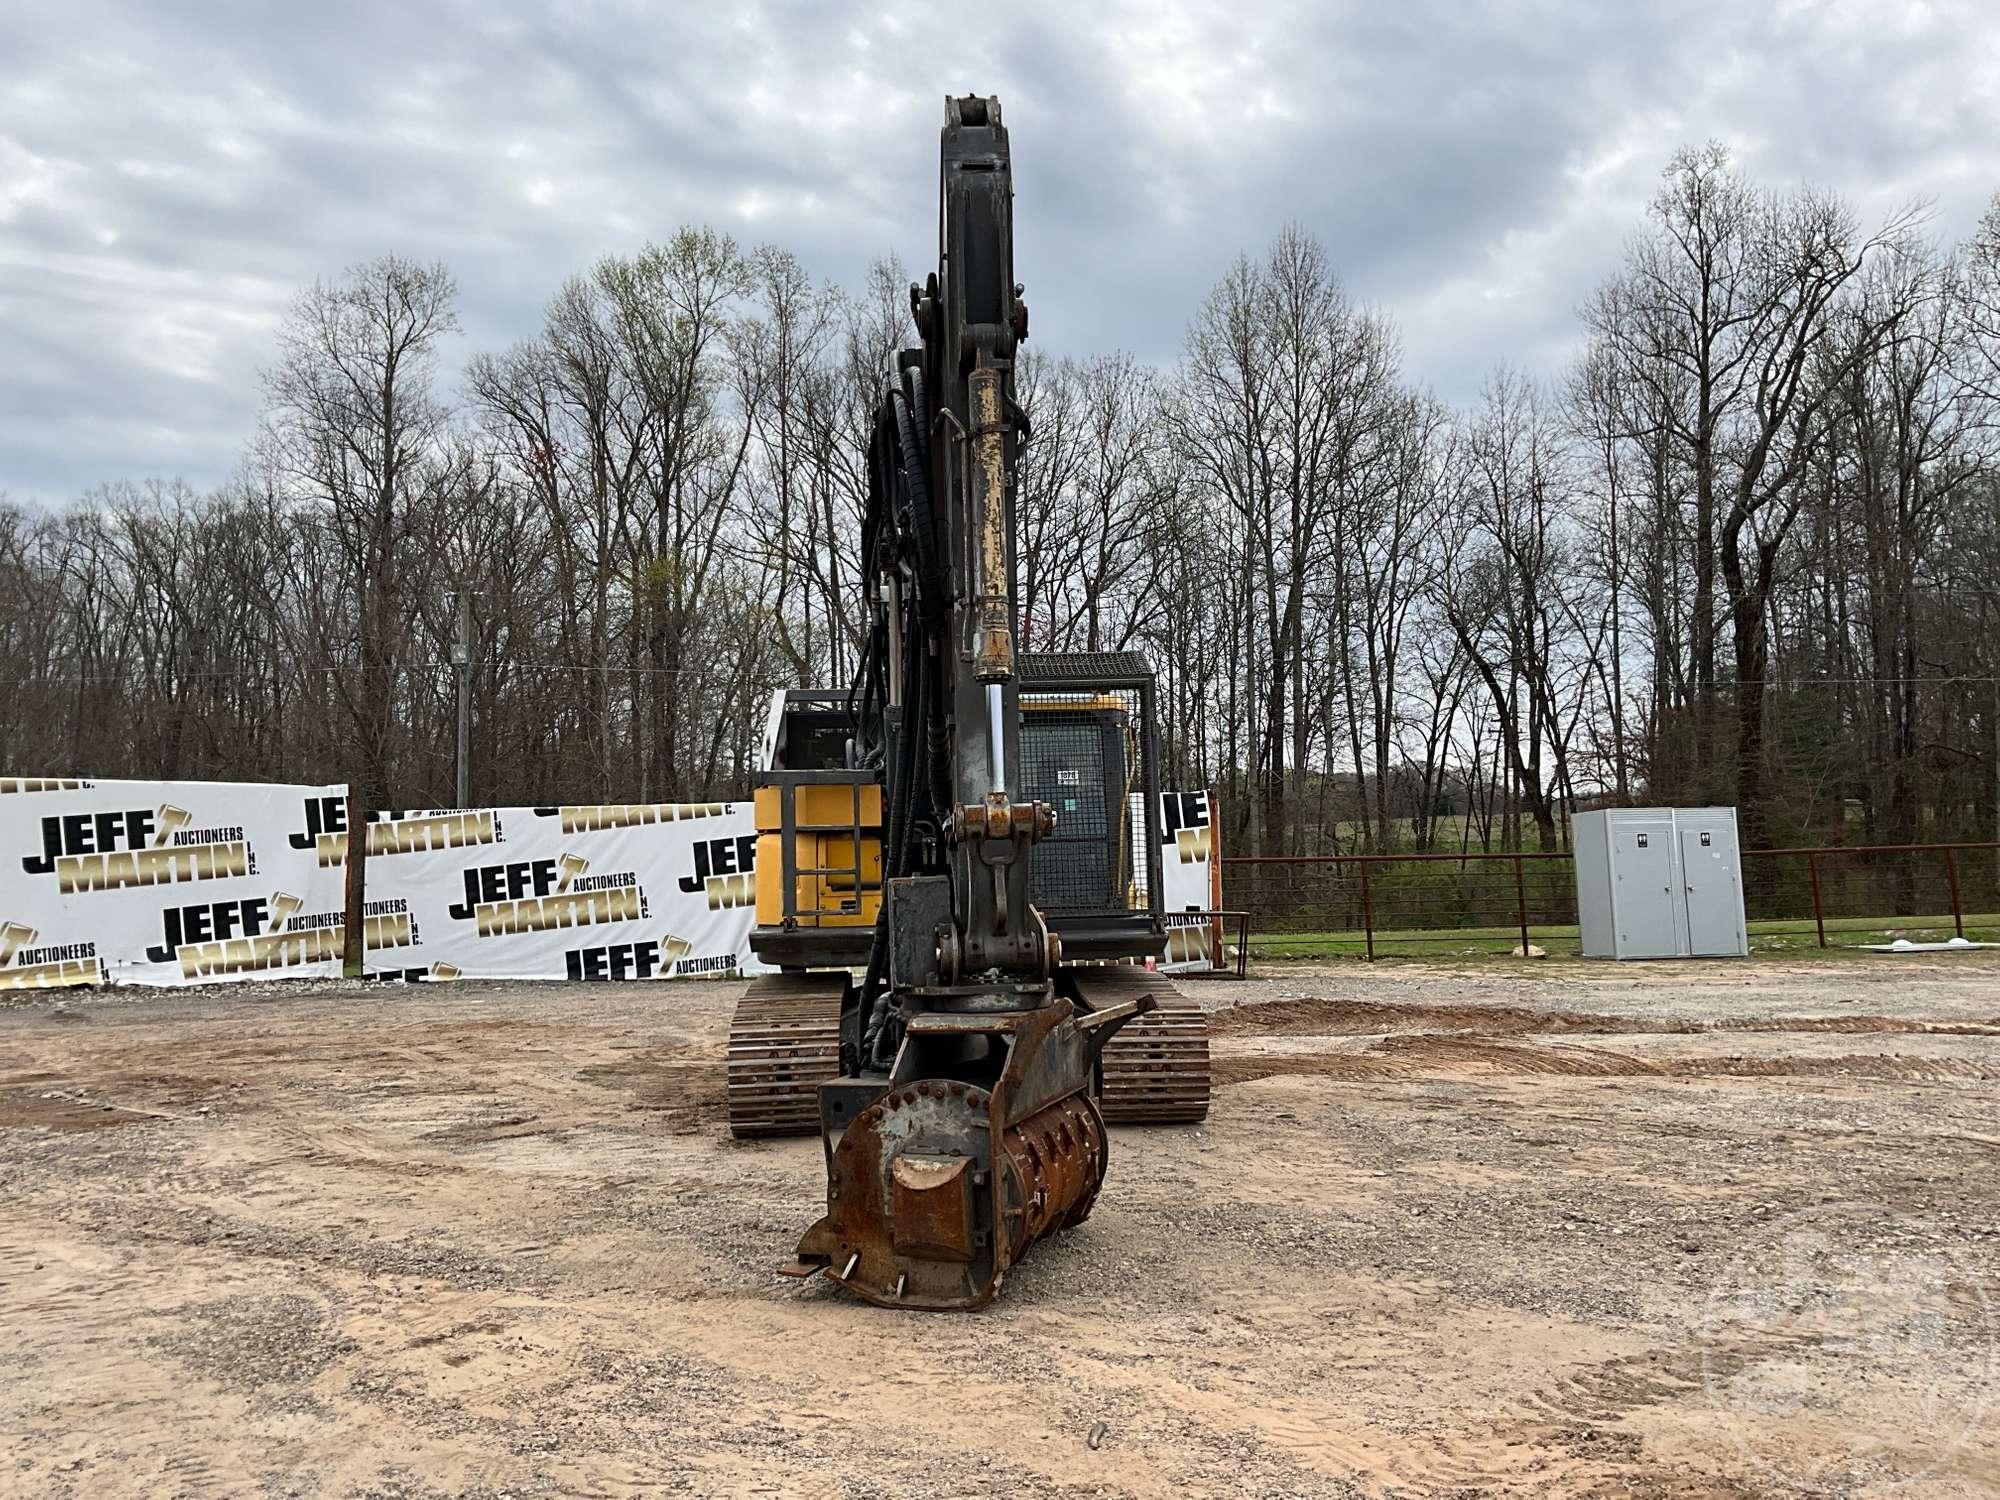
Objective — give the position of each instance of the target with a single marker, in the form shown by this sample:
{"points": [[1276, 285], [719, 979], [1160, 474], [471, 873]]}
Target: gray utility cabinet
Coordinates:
{"points": [[1659, 882]]}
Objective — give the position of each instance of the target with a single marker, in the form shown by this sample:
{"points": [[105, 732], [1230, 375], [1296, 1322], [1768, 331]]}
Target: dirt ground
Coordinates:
{"points": [[1532, 1230]]}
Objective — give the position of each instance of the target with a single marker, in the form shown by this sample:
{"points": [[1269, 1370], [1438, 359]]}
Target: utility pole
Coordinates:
{"points": [[1993, 666], [461, 661]]}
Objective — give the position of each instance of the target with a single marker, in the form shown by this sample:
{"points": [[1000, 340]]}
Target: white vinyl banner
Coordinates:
{"points": [[1187, 838], [165, 882], [649, 890], [187, 882]]}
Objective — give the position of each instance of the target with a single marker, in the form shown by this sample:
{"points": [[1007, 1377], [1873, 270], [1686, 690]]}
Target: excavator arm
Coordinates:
{"points": [[942, 527], [964, 1122]]}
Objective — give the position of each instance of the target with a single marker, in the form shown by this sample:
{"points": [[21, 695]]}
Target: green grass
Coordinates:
{"points": [[1789, 936]]}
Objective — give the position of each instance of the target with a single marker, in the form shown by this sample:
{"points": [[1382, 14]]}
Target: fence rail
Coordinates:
{"points": [[1829, 897]]}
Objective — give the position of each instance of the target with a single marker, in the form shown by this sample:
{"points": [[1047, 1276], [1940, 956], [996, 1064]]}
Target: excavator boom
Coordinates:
{"points": [[908, 827]]}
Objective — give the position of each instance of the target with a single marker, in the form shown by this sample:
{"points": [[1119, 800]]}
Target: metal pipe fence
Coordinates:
{"points": [[1371, 905]]}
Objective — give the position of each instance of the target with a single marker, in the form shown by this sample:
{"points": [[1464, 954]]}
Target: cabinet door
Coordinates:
{"points": [[1642, 863], [1714, 904]]}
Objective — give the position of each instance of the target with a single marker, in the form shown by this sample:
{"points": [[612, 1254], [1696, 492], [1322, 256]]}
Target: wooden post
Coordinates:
{"points": [[1951, 876], [1819, 915], [354, 955]]}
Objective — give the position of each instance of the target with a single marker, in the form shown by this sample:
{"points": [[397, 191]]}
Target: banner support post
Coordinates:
{"points": [[354, 958]]}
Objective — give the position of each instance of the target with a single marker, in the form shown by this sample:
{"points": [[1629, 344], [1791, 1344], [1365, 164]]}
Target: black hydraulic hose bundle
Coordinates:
{"points": [[877, 517], [920, 413], [914, 448], [904, 494], [880, 1041]]}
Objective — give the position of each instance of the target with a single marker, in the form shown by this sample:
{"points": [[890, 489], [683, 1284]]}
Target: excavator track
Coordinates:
{"points": [[783, 1043], [1155, 1071]]}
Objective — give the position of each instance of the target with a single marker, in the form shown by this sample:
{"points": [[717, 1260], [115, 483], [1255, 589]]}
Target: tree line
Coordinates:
{"points": [[1744, 548]]}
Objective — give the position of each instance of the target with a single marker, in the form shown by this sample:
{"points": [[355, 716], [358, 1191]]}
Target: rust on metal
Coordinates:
{"points": [[930, 1207], [940, 1186], [993, 649], [1000, 818], [1052, 1165]]}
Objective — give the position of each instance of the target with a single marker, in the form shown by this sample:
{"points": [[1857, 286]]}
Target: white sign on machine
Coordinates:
{"points": [[165, 882]]}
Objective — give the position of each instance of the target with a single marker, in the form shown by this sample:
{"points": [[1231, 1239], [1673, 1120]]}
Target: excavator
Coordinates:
{"points": [[958, 863]]}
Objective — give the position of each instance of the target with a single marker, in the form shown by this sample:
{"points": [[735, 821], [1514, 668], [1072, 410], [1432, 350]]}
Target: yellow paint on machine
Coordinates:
{"points": [[825, 817]]}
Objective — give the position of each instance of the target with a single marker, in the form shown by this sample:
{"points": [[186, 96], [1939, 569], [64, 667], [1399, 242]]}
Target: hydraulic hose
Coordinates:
{"points": [[920, 411], [901, 815], [923, 524]]}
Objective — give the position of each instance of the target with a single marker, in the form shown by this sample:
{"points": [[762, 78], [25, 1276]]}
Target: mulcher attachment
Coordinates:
{"points": [[937, 1185]]}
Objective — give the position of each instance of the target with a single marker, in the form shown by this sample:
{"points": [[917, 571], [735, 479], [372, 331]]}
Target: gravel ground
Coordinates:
{"points": [[1520, 1229]]}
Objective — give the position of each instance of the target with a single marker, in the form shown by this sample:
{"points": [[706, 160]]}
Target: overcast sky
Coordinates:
{"points": [[171, 174]]}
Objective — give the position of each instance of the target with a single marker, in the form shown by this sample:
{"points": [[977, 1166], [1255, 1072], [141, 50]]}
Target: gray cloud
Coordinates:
{"points": [[170, 176]]}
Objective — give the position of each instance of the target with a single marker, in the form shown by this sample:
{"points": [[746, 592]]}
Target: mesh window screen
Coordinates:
{"points": [[1074, 754]]}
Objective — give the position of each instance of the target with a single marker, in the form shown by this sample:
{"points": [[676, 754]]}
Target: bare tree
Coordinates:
{"points": [[353, 422], [1752, 548]]}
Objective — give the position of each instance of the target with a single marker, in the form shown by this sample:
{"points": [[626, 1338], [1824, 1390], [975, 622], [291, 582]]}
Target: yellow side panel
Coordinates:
{"points": [[819, 804], [770, 876], [820, 900]]}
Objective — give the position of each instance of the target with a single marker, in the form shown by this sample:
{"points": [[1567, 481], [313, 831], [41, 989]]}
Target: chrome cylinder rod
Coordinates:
{"points": [[996, 741]]}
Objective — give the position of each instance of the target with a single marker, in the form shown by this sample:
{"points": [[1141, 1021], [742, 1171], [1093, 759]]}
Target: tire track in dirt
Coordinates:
{"points": [[1407, 1056], [63, 1112], [1419, 1040], [683, 1082], [1564, 1439], [1374, 1017]]}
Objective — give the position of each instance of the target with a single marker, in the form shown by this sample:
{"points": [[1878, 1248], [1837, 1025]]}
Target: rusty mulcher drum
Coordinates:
{"points": [[936, 1200], [1051, 1166], [784, 1043]]}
